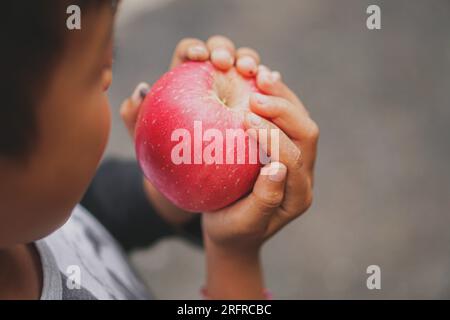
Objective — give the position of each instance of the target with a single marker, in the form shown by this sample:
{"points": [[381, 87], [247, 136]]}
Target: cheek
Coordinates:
{"points": [[93, 141], [102, 126], [72, 138], [79, 147]]}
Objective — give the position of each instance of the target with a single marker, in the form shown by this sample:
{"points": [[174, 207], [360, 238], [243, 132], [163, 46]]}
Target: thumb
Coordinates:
{"points": [[130, 107], [252, 215], [268, 191]]}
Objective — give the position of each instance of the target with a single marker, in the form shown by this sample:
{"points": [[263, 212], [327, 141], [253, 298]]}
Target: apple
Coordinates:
{"points": [[183, 142]]}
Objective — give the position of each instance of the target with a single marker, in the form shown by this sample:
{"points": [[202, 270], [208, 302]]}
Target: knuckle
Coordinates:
{"points": [[308, 201], [264, 84], [124, 110], [283, 106], [246, 51], [276, 109], [219, 40], [188, 41], [185, 43], [297, 161], [269, 199], [313, 131], [215, 37]]}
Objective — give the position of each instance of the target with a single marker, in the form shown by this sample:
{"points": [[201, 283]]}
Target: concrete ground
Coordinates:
{"points": [[382, 101]]}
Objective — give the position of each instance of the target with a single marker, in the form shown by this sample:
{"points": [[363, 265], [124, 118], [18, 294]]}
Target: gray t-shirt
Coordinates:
{"points": [[86, 258], [81, 260]]}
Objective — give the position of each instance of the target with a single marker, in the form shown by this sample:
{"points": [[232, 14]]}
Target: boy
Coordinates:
{"points": [[55, 122]]}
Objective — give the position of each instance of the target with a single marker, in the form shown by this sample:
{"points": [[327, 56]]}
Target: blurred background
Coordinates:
{"points": [[382, 101]]}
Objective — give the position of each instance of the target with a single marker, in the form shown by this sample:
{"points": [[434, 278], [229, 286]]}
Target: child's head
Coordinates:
{"points": [[54, 114]]}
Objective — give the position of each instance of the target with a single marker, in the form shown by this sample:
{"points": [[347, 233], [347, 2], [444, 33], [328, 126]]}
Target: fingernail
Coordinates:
{"points": [[197, 51], [143, 92], [277, 172], [247, 63], [139, 93], [275, 76], [261, 99], [254, 119], [262, 68], [272, 77], [265, 75], [222, 54]]}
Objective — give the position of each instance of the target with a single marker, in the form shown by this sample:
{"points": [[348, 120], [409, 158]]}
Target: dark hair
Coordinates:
{"points": [[33, 35]]}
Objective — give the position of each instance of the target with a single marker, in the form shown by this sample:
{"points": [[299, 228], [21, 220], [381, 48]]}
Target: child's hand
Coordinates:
{"points": [[218, 49], [221, 52], [234, 234], [279, 198]]}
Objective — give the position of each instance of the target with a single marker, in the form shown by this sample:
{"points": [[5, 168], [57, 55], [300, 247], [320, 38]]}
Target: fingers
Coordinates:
{"points": [[223, 56], [285, 115], [268, 190], [130, 108], [262, 203], [274, 141], [247, 61], [281, 148], [289, 210], [222, 52], [190, 49], [270, 83], [289, 118]]}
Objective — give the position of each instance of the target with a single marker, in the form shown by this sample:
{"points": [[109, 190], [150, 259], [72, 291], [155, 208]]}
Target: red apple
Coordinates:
{"points": [[181, 116]]}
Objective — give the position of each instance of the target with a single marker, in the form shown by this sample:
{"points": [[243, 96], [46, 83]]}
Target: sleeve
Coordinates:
{"points": [[116, 197]]}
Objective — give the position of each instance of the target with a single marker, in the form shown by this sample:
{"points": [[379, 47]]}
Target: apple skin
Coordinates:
{"points": [[188, 93]]}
